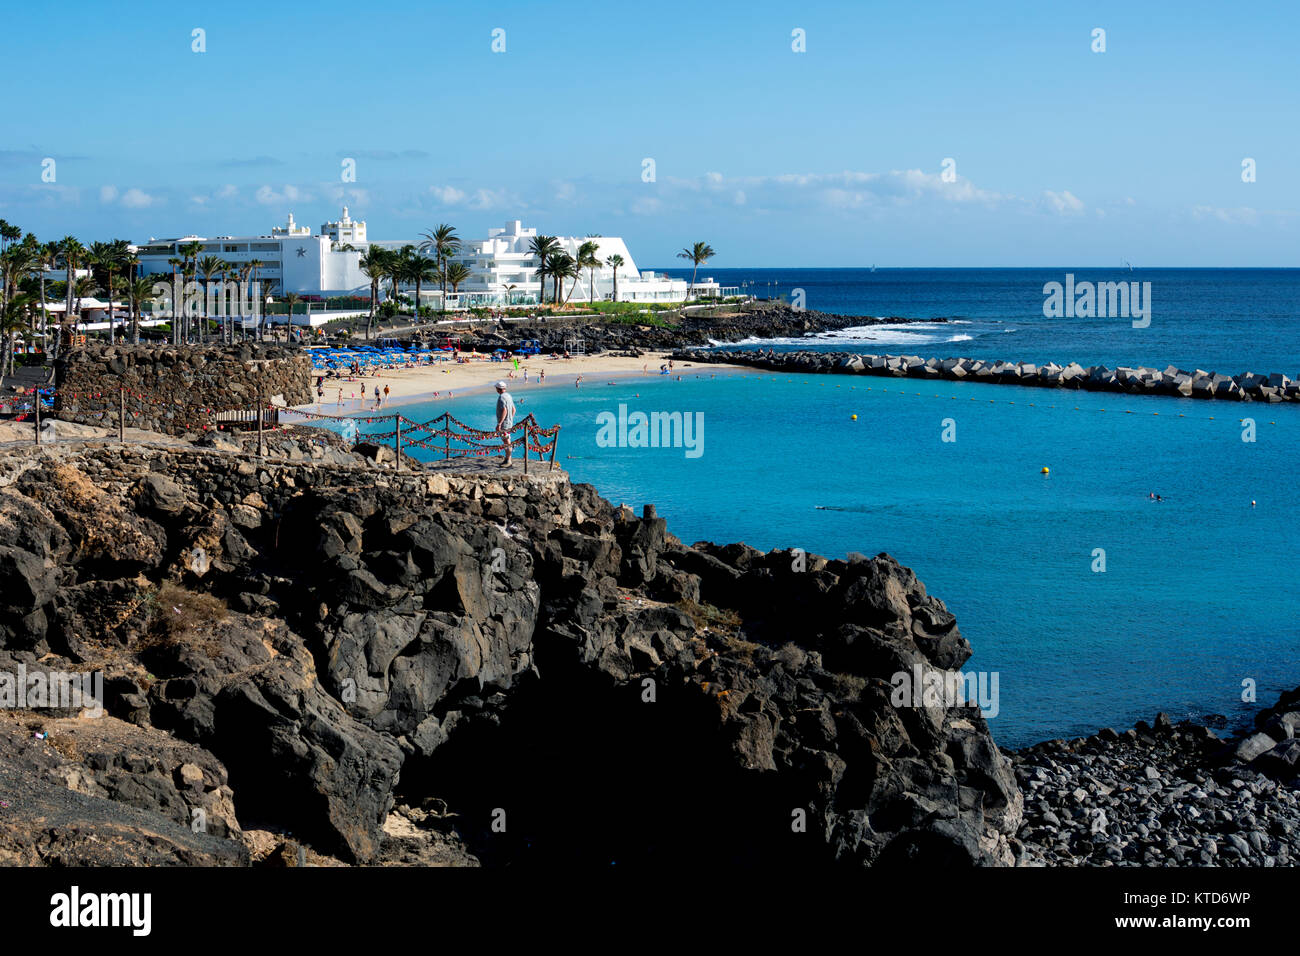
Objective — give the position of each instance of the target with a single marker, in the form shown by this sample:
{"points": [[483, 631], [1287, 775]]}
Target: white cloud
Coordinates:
{"points": [[137, 199], [1237, 216], [269, 197], [447, 195], [647, 206], [1064, 203], [478, 199], [490, 199], [107, 193], [849, 188]]}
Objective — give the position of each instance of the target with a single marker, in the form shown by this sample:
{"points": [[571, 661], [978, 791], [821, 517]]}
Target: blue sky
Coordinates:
{"points": [[833, 156]]}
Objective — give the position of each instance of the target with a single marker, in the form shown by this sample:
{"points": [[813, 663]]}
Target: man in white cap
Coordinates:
{"points": [[505, 420]]}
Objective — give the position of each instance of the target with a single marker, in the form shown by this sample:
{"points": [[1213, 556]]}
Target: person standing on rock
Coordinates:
{"points": [[505, 421]]}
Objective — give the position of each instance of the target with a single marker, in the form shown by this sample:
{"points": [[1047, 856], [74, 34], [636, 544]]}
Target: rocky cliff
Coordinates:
{"points": [[320, 659]]}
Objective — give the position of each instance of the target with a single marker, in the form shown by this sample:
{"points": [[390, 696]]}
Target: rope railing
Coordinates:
{"points": [[439, 434]]}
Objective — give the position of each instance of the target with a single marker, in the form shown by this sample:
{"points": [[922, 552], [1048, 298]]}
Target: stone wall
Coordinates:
{"points": [[176, 390]]}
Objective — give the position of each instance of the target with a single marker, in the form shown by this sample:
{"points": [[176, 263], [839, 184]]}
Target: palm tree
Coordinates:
{"points": [[47, 255], [699, 254], [421, 269], [510, 291], [175, 263], [251, 286], [8, 233], [12, 318], [208, 267], [588, 259], [374, 264], [109, 256], [396, 273], [291, 300], [190, 253], [137, 291], [73, 252], [561, 266], [543, 247], [456, 273], [130, 263], [614, 262], [444, 242], [15, 262], [253, 266]]}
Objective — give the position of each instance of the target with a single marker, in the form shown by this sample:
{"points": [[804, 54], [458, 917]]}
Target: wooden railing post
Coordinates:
{"points": [[121, 413], [446, 422], [555, 443], [261, 447], [36, 394], [527, 429], [397, 440]]}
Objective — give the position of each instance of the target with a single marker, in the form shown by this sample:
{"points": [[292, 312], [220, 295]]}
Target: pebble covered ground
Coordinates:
{"points": [[1161, 795]]}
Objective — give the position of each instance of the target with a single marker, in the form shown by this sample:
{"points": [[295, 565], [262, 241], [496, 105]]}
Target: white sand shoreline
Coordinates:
{"points": [[430, 383]]}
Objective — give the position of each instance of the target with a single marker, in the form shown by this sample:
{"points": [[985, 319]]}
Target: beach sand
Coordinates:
{"points": [[407, 386]]}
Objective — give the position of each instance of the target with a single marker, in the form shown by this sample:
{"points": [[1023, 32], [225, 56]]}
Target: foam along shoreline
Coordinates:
{"points": [[1247, 387]]}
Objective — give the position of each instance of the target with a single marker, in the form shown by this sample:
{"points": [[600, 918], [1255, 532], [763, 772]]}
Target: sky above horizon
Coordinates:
{"points": [[833, 156]]}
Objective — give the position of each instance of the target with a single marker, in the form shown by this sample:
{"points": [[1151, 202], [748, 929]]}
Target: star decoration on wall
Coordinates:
{"points": [[301, 252]]}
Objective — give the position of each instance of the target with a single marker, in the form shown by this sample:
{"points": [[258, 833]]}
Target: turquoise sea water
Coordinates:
{"points": [[1200, 592]]}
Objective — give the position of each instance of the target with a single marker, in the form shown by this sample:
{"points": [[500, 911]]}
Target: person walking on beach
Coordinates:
{"points": [[542, 378], [505, 421], [376, 394], [385, 394]]}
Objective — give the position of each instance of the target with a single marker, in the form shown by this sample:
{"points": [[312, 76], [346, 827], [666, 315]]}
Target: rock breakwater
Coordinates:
{"points": [[1250, 386]]}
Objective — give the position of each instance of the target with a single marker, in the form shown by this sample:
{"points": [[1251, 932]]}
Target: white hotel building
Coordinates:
{"points": [[503, 270]]}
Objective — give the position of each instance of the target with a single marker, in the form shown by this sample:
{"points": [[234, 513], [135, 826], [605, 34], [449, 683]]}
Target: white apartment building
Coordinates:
{"points": [[503, 268], [293, 260]]}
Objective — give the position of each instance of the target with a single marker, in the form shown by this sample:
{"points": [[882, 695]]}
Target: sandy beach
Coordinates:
{"points": [[428, 382]]}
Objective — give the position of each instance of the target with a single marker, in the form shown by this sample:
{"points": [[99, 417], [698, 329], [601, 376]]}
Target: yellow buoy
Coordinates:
{"points": [[1046, 470], [855, 418]]}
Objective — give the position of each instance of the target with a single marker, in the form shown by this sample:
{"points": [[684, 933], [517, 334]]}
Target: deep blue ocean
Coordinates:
{"points": [[1220, 320], [1200, 592]]}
